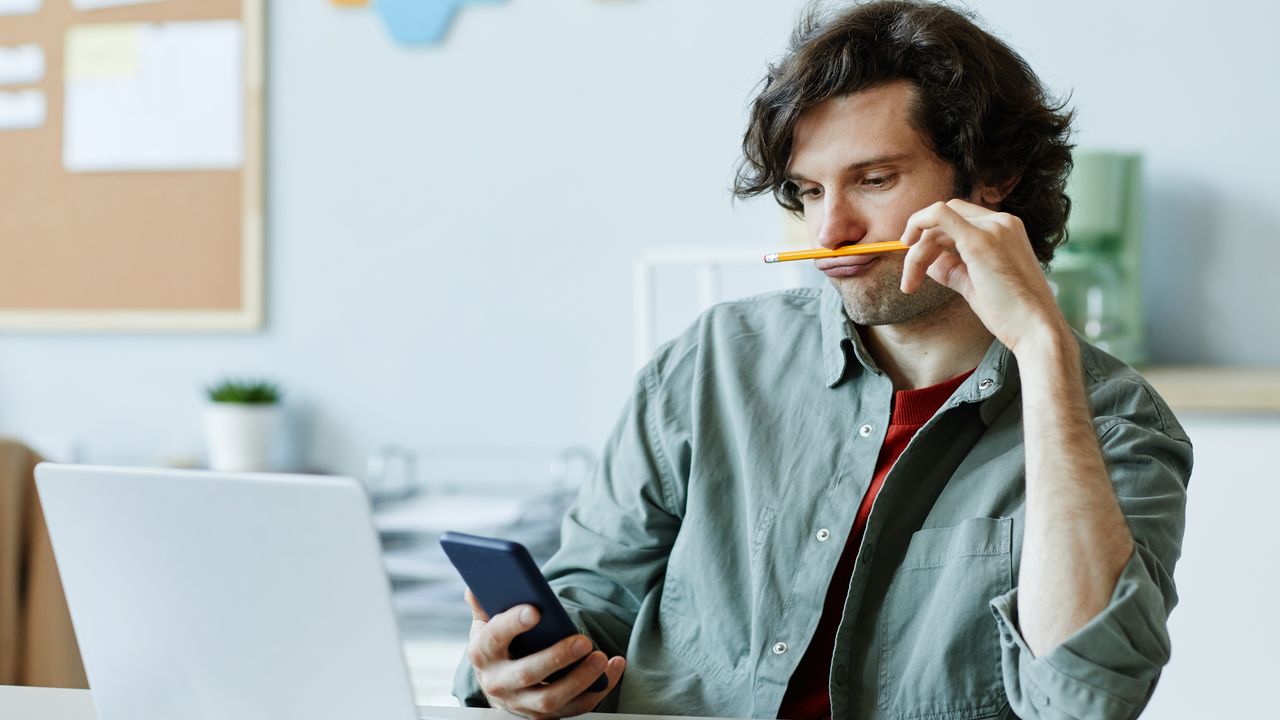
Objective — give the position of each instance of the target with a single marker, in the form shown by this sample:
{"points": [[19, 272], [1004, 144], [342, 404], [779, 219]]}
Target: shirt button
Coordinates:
{"points": [[986, 383], [779, 648], [824, 535], [864, 431]]}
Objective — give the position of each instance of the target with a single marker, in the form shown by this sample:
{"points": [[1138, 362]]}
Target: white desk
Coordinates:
{"points": [[22, 703], [431, 662]]}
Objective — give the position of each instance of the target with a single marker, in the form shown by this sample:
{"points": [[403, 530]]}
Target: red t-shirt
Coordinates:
{"points": [[808, 697]]}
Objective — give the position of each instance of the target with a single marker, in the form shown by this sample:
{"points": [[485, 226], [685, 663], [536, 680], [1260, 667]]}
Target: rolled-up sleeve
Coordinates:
{"points": [[1109, 667]]}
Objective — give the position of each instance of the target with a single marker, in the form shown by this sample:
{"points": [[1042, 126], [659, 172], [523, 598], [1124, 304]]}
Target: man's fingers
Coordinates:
{"points": [[477, 612], [587, 702], [554, 697], [942, 216], [492, 640], [942, 228], [968, 209], [948, 270], [532, 670], [921, 256]]}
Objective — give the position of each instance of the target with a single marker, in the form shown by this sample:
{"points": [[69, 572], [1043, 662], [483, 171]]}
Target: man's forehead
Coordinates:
{"points": [[857, 129]]}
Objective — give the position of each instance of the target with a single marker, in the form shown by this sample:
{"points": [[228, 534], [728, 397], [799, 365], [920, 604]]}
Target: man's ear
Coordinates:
{"points": [[990, 196]]}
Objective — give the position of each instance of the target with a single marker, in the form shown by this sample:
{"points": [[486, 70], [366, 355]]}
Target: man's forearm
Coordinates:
{"points": [[1076, 541]]}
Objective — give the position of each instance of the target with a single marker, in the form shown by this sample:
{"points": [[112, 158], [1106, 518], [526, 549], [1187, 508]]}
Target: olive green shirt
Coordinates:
{"points": [[703, 546]]}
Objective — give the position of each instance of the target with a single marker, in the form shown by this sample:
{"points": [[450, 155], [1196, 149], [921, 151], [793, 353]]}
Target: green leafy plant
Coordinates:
{"points": [[249, 392]]}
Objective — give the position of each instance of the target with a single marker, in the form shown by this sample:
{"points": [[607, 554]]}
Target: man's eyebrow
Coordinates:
{"points": [[858, 166]]}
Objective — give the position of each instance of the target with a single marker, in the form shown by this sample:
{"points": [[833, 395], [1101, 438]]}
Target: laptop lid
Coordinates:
{"points": [[211, 595]]}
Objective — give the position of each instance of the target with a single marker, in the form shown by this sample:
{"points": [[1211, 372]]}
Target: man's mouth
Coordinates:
{"points": [[847, 266]]}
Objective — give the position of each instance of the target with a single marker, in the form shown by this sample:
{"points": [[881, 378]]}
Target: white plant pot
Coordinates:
{"points": [[241, 436]]}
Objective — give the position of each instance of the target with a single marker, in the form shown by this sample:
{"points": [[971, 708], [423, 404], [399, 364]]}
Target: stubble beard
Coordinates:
{"points": [[875, 299]]}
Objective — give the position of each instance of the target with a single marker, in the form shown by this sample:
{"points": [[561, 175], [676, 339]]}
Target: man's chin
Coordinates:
{"points": [[883, 303]]}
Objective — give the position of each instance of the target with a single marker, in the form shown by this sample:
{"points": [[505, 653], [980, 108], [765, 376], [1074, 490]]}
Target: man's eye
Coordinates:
{"points": [[879, 181], [810, 193]]}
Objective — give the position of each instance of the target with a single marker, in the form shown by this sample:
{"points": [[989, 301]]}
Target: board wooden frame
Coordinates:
{"points": [[247, 310]]}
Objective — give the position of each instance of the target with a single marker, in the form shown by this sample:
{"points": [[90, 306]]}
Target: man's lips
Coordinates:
{"points": [[849, 261]]}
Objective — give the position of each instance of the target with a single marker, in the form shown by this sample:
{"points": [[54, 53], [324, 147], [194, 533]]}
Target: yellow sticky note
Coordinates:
{"points": [[108, 50]]}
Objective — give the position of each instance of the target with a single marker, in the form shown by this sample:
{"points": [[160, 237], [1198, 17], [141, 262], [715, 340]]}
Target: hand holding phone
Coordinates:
{"points": [[529, 657]]}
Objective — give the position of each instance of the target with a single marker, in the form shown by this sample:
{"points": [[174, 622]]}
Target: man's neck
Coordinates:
{"points": [[930, 349]]}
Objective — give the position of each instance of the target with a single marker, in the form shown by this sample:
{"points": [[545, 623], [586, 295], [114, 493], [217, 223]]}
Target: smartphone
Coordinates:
{"points": [[502, 574]]}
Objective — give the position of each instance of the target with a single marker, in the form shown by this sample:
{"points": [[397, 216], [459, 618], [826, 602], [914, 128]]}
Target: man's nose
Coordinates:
{"points": [[842, 224]]}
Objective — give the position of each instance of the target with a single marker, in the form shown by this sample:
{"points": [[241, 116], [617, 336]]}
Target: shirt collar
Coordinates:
{"points": [[839, 338], [993, 384]]}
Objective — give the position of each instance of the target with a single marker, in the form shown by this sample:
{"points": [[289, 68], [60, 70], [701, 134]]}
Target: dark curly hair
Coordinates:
{"points": [[979, 105]]}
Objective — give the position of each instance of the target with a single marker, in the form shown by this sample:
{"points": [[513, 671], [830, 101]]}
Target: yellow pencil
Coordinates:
{"points": [[876, 247]]}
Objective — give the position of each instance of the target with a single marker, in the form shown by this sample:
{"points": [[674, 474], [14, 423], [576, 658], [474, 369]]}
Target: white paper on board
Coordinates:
{"points": [[21, 109], [154, 96], [83, 5], [21, 64], [19, 7]]}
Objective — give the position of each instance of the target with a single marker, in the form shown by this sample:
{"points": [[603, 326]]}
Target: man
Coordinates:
{"points": [[913, 494]]}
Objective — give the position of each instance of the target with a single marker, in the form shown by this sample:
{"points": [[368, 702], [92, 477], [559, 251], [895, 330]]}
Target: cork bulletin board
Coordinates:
{"points": [[134, 200]]}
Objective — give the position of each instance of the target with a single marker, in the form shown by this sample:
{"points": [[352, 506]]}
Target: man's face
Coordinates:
{"points": [[862, 170]]}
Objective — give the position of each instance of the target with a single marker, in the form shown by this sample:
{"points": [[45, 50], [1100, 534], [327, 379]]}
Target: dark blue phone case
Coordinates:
{"points": [[501, 574]]}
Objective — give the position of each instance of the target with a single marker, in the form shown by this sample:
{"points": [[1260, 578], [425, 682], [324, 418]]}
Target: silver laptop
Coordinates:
{"points": [[211, 596]]}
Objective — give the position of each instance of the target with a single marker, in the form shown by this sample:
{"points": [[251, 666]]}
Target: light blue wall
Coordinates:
{"points": [[1191, 85], [451, 229]]}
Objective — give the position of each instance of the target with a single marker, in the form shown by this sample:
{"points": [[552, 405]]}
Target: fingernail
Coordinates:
{"points": [[526, 616], [581, 646], [598, 662]]}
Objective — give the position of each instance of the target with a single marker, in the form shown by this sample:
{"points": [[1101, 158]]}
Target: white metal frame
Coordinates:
{"points": [[708, 262]]}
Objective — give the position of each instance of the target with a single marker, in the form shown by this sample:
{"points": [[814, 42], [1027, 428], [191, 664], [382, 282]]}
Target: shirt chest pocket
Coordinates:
{"points": [[939, 647]]}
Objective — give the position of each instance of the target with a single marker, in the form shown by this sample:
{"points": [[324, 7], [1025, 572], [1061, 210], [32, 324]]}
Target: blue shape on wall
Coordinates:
{"points": [[420, 22]]}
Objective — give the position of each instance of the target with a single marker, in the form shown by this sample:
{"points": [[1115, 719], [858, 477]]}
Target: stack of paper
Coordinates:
{"points": [[427, 590]]}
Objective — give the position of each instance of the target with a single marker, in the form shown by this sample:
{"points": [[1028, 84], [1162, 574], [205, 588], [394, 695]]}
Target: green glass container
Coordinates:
{"points": [[1097, 276]]}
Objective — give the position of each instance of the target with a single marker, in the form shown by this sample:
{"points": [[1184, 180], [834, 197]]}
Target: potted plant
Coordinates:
{"points": [[241, 422]]}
